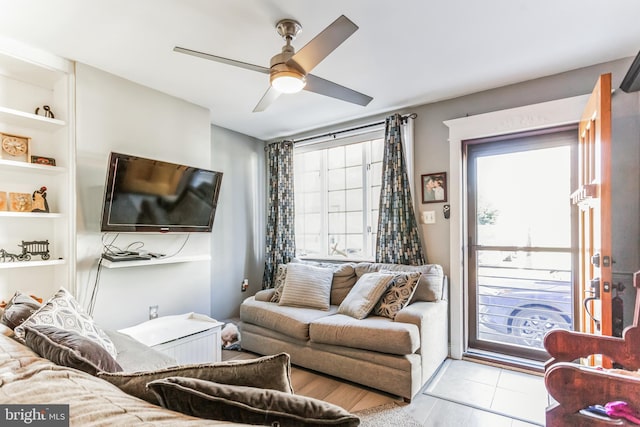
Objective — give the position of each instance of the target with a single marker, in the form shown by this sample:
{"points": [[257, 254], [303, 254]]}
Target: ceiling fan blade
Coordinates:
{"points": [[222, 60], [324, 43], [269, 96], [325, 87]]}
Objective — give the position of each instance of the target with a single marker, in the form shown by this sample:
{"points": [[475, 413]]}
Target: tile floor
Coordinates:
{"points": [[465, 393]]}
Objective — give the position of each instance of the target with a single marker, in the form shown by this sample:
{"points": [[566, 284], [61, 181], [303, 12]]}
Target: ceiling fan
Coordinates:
{"points": [[289, 71]]}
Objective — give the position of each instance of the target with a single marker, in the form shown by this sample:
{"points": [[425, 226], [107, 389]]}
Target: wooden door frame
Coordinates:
{"points": [[537, 116]]}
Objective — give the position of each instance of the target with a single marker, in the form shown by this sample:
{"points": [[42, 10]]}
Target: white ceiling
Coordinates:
{"points": [[406, 52]]}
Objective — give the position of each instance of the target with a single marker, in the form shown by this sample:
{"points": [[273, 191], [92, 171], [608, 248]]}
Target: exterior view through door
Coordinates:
{"points": [[521, 227]]}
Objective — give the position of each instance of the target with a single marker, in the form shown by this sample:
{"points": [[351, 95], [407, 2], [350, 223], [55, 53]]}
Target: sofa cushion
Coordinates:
{"points": [[63, 311], [307, 286], [365, 294], [250, 405], [397, 294], [272, 372], [68, 348], [290, 321], [429, 286], [372, 333]]}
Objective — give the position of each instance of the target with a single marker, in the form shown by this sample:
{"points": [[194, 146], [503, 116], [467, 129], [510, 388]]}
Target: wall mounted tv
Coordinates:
{"points": [[145, 195]]}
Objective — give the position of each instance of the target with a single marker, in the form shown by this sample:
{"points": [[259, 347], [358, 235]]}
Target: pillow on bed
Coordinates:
{"points": [[272, 372], [248, 405], [64, 312], [68, 348], [18, 309]]}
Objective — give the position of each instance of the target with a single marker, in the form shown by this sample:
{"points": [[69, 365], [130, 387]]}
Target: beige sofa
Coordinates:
{"points": [[396, 356]]}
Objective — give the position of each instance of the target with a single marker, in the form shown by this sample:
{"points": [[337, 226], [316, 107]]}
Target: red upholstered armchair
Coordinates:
{"points": [[575, 386]]}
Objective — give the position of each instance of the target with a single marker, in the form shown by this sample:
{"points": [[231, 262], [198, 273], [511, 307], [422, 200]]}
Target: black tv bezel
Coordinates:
{"points": [[106, 227]]}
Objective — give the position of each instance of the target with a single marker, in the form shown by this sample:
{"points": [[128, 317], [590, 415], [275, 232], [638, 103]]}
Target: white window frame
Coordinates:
{"points": [[369, 228]]}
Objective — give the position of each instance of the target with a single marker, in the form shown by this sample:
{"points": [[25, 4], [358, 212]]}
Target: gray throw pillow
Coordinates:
{"points": [[307, 286], [247, 405], [18, 309], [68, 348], [272, 372], [365, 294]]}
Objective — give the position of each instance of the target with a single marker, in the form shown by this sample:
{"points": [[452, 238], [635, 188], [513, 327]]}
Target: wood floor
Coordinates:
{"points": [[350, 396]]}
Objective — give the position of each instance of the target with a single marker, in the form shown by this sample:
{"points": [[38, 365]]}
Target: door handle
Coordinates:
{"points": [[594, 285]]}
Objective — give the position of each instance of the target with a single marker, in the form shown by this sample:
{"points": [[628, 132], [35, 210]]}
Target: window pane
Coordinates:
{"points": [[337, 222], [354, 177], [337, 201], [354, 200], [354, 245], [335, 158], [310, 181], [337, 245], [377, 150], [354, 222], [311, 203], [376, 174], [353, 154], [335, 179], [312, 223]]}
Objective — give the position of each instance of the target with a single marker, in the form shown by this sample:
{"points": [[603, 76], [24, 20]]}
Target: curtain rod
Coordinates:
{"points": [[334, 134]]}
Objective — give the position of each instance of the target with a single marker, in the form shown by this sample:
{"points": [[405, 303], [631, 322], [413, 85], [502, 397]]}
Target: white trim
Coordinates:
{"points": [[530, 117]]}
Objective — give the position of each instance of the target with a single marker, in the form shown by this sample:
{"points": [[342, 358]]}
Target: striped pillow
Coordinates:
{"points": [[307, 286]]}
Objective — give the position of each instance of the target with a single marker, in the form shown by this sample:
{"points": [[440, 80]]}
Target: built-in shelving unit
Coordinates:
{"points": [[154, 261], [31, 79]]}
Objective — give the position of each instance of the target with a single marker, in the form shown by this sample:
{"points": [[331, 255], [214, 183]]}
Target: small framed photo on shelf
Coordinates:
{"points": [[40, 160], [3, 200], [434, 187], [20, 202], [15, 147]]}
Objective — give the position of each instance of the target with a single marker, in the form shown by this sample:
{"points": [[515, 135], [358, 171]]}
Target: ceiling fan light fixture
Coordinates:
{"points": [[288, 81]]}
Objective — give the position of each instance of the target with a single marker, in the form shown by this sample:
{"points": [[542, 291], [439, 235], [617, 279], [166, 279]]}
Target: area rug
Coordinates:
{"points": [[385, 416]]}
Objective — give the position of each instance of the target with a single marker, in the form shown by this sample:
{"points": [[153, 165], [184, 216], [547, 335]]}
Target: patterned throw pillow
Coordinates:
{"points": [[64, 312], [364, 294], [398, 294], [278, 285]]}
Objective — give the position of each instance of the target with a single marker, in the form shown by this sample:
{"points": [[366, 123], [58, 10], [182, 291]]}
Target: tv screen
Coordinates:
{"points": [[145, 195]]}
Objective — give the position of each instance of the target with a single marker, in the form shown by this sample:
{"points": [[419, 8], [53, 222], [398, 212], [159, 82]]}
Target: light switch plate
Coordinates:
{"points": [[429, 217]]}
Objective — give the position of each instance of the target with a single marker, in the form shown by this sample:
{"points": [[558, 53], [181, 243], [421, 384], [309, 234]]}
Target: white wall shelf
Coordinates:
{"points": [[20, 118], [155, 261], [29, 264], [30, 215], [14, 166]]}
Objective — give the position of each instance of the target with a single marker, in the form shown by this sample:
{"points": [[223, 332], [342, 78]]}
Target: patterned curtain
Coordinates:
{"points": [[280, 247], [398, 239]]}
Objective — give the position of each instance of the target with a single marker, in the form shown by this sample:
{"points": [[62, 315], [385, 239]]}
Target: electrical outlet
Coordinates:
{"points": [[245, 285], [153, 312]]}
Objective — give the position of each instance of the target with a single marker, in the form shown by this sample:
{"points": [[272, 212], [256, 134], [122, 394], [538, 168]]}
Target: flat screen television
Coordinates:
{"points": [[145, 195]]}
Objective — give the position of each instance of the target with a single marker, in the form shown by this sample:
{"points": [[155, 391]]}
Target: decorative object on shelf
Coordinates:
{"points": [[3, 200], [20, 202], [434, 187], [34, 247], [46, 111], [40, 160], [4, 255], [15, 147], [39, 200]]}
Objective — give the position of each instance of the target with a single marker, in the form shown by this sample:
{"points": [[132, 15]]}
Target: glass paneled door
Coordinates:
{"points": [[520, 281]]}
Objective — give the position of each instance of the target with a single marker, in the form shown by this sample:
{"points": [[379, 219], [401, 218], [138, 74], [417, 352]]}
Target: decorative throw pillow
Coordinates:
{"points": [[248, 405], [307, 286], [281, 275], [270, 372], [68, 348], [365, 294], [135, 356], [397, 295], [64, 312], [18, 309]]}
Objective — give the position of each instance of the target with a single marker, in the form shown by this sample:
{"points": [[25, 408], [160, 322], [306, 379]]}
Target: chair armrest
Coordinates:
{"points": [[265, 295]]}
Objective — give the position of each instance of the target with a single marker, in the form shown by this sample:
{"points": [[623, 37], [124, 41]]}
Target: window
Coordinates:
{"points": [[337, 192]]}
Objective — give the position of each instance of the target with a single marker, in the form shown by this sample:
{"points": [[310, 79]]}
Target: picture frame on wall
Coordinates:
{"points": [[434, 187]]}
